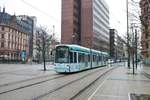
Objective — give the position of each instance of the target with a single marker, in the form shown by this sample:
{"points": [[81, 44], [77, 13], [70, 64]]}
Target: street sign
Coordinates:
{"points": [[23, 55]]}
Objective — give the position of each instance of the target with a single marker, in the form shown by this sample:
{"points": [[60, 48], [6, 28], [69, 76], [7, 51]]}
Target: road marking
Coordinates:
{"points": [[114, 96], [97, 89], [129, 96]]}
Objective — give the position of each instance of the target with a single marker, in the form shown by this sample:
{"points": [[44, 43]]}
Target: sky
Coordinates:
{"points": [[48, 13], [118, 19]]}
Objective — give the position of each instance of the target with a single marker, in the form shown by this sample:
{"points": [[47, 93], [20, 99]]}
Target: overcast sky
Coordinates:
{"points": [[48, 12]]}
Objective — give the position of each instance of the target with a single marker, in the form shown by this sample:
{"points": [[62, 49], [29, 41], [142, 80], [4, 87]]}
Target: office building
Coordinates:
{"points": [[15, 36], [117, 44], [85, 22], [28, 23], [145, 36]]}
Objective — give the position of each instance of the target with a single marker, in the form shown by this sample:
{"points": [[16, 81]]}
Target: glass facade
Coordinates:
{"points": [[101, 24], [85, 22], [24, 23]]}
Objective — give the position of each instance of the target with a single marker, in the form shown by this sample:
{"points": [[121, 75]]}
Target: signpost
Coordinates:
{"points": [[132, 54], [23, 56]]}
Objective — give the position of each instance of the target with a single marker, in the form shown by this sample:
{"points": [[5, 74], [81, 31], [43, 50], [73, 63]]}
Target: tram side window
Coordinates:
{"points": [[94, 58], [97, 60], [71, 57], [100, 58], [104, 58], [75, 57], [88, 58], [81, 57]]}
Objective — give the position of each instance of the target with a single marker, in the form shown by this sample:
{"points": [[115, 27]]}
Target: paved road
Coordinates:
{"points": [[28, 82], [17, 72]]}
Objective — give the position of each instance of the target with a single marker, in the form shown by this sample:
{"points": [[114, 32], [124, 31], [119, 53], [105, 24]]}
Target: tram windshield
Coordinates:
{"points": [[62, 55]]}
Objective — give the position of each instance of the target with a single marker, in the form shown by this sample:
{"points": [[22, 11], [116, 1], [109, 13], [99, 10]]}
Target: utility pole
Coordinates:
{"points": [[43, 51], [133, 61], [128, 46], [136, 48], [133, 49]]}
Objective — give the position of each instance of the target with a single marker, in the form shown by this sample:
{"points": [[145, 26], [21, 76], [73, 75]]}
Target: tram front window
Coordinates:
{"points": [[62, 55]]}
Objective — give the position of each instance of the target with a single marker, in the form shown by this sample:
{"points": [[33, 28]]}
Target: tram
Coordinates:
{"points": [[75, 58]]}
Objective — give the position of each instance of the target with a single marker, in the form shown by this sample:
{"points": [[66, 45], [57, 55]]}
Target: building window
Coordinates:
{"points": [[146, 35], [2, 45], [147, 46], [9, 30], [12, 45], [8, 45], [3, 36], [12, 38], [147, 55], [8, 37], [2, 28], [15, 46]]}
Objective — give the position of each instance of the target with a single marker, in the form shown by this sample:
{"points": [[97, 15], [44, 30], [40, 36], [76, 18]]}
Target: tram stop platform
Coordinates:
{"points": [[121, 84]]}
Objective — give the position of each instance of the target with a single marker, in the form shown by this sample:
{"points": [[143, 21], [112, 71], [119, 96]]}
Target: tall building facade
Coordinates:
{"points": [[145, 36], [28, 23], [15, 36], [117, 44], [85, 22]]}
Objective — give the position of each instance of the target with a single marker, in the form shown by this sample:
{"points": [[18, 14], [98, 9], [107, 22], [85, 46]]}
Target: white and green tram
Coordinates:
{"points": [[74, 58]]}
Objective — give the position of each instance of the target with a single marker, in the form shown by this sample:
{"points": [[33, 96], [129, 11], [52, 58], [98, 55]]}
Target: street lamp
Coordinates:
{"points": [[128, 35], [74, 36]]}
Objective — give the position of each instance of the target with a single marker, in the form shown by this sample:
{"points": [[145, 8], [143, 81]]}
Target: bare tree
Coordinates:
{"points": [[134, 21], [43, 42]]}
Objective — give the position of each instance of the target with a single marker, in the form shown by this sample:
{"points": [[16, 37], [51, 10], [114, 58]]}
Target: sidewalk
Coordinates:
{"points": [[121, 83], [10, 73], [34, 66]]}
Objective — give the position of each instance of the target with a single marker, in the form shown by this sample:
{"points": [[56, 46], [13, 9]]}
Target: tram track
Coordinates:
{"points": [[8, 72], [146, 75], [26, 80], [29, 85], [71, 82], [90, 84]]}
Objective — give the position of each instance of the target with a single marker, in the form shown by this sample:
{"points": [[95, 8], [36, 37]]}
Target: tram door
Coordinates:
{"points": [[75, 57], [86, 60], [97, 60]]}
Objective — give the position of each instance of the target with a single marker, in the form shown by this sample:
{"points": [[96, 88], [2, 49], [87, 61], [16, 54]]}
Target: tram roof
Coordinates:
{"points": [[78, 48], [105, 53], [74, 47]]}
